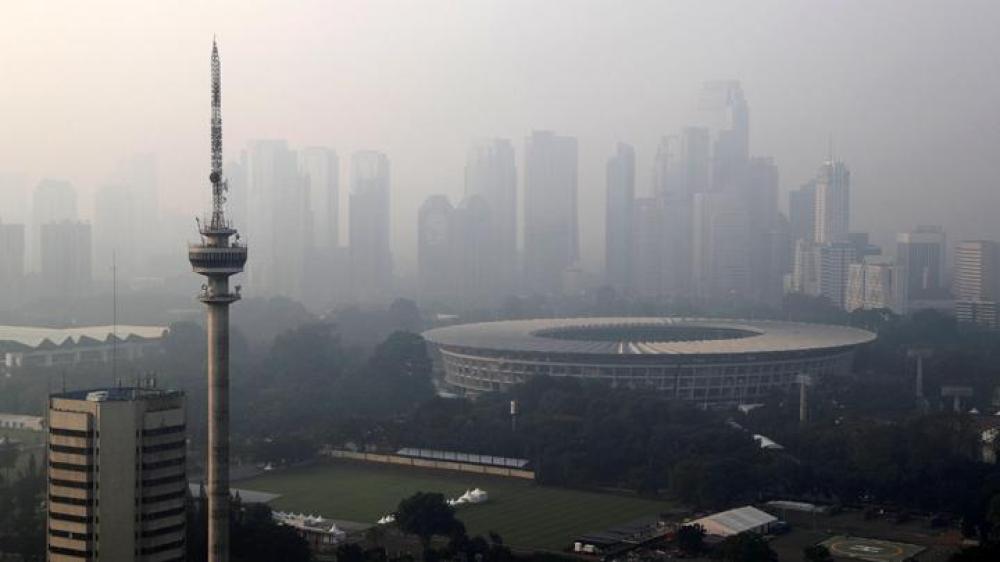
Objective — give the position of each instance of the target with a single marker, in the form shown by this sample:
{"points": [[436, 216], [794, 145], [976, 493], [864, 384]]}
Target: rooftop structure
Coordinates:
{"points": [[746, 519]]}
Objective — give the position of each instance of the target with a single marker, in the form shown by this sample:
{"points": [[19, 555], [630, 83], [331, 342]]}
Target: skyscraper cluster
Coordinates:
{"points": [[708, 227]]}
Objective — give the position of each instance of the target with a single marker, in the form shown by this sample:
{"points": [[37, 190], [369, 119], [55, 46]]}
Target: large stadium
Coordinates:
{"points": [[698, 359]]}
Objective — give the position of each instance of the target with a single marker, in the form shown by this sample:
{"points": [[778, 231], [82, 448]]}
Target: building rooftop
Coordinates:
{"points": [[34, 337], [116, 394]]}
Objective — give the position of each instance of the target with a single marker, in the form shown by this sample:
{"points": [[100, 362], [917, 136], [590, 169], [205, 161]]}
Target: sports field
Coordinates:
{"points": [[524, 514]]}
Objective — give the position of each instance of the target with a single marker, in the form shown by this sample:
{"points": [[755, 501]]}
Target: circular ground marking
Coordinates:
{"points": [[865, 549]]}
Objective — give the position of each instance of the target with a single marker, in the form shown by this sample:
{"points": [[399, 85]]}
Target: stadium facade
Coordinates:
{"points": [[697, 359]]}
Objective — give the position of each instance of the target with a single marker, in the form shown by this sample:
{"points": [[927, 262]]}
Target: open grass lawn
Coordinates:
{"points": [[524, 514]]}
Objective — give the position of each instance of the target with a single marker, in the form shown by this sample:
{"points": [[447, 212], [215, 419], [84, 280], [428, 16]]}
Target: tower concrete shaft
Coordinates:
{"points": [[217, 258]]}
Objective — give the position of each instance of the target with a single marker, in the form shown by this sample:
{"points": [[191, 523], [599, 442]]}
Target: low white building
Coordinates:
{"points": [[19, 421], [746, 519]]}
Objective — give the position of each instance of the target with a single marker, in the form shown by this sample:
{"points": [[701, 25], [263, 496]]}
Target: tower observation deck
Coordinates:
{"points": [[217, 258]]}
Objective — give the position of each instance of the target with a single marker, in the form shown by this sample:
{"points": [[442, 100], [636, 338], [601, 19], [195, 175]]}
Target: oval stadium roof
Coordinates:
{"points": [[569, 335]]}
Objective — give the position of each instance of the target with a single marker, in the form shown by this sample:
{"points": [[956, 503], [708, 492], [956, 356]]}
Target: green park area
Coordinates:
{"points": [[524, 514]]}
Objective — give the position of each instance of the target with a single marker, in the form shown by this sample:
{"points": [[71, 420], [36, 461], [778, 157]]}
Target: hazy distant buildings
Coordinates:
{"points": [[620, 218], [278, 220], [835, 260], [370, 252], [551, 244], [802, 213], [725, 112], [118, 232], [435, 251], [921, 255], [474, 246], [12, 245], [117, 482], [876, 283], [976, 284], [66, 259], [833, 198], [321, 169], [721, 247], [52, 201], [491, 174]]}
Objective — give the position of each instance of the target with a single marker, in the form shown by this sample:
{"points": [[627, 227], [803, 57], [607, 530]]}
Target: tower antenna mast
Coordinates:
{"points": [[217, 259]]}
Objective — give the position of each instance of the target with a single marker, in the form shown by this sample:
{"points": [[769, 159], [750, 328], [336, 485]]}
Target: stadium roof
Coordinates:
{"points": [[735, 521], [650, 336], [34, 337]]}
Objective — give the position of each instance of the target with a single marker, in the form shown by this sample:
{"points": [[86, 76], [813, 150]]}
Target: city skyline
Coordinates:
{"points": [[866, 113]]}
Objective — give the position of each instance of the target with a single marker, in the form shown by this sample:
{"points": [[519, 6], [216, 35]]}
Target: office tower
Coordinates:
{"points": [[435, 251], [835, 260], [727, 116], [490, 173], [802, 213], [863, 247], [52, 201], [680, 169], [551, 245], [217, 258], [977, 271], [321, 168], [876, 283], [117, 482], [118, 232], [11, 264], [649, 244], [721, 247], [805, 278], [278, 219], [921, 254], [976, 283], [760, 192], [833, 198], [137, 173], [371, 256], [475, 269], [66, 259], [619, 212]]}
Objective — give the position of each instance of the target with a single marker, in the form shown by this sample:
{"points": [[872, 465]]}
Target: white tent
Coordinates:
{"points": [[736, 521]]}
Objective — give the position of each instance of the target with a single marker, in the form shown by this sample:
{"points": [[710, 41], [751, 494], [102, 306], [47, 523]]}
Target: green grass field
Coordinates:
{"points": [[524, 514]]}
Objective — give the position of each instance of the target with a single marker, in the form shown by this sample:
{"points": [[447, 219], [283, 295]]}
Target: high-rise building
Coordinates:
{"points": [[976, 284], [551, 244], [280, 224], [371, 254], [321, 169], [11, 264], [760, 194], [806, 267], [833, 203], [835, 260], [491, 174], [727, 115], [138, 173], [117, 482], [118, 232], [435, 251], [619, 213], [66, 259], [52, 201], [876, 283], [802, 213], [921, 254], [721, 247], [474, 246], [648, 277]]}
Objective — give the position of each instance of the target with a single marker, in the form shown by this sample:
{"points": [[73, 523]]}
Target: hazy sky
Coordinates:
{"points": [[909, 91]]}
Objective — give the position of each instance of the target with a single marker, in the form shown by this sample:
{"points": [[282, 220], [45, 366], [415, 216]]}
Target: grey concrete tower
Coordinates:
{"points": [[217, 258]]}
